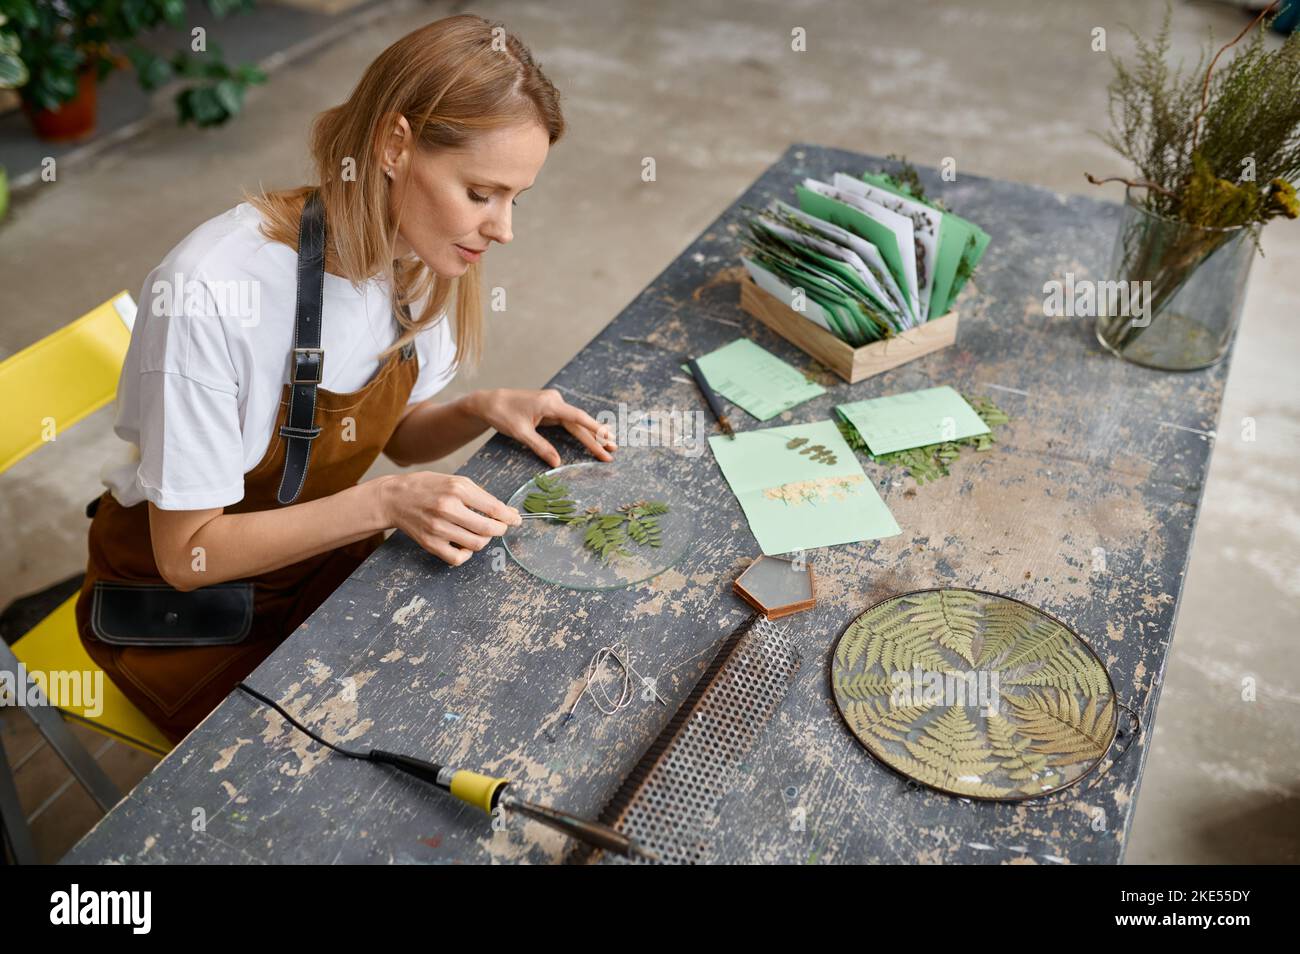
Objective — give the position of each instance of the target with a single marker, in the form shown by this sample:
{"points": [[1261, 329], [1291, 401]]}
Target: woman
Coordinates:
{"points": [[283, 344]]}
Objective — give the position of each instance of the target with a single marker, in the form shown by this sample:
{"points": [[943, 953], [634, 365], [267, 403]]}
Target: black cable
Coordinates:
{"points": [[364, 756], [425, 771], [6, 846], [435, 775]]}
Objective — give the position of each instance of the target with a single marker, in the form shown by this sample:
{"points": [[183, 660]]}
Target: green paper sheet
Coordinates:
{"points": [[793, 502], [914, 419], [859, 223], [839, 289], [960, 242], [755, 379], [778, 289]]}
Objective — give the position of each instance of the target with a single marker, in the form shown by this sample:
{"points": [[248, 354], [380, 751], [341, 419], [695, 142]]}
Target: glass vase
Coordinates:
{"points": [[1190, 285]]}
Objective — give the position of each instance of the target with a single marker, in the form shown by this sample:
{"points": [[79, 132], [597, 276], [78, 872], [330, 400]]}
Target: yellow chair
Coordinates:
{"points": [[47, 388]]}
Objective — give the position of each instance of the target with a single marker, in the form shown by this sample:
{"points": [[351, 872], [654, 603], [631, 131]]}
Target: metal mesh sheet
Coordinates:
{"points": [[669, 802]]}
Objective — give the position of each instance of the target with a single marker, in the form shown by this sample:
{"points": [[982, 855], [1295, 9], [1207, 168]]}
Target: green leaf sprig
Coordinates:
{"points": [[607, 534]]}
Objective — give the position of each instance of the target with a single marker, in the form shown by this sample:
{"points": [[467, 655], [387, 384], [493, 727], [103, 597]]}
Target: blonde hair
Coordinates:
{"points": [[450, 79]]}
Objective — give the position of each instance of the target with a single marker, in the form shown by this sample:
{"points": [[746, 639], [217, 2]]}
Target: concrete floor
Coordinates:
{"points": [[1009, 88]]}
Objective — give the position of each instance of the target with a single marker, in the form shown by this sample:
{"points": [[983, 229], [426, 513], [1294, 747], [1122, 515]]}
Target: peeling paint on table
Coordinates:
{"points": [[1085, 507]]}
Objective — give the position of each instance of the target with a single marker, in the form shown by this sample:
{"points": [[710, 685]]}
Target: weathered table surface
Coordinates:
{"points": [[1086, 507]]}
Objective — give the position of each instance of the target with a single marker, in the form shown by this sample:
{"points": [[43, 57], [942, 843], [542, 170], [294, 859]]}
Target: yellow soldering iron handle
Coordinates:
{"points": [[474, 788]]}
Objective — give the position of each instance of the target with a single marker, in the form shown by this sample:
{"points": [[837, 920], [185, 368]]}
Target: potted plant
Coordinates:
{"points": [[68, 46], [1218, 156], [13, 73]]}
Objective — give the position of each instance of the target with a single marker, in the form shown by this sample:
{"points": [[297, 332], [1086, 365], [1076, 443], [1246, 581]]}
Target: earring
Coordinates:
{"points": [[388, 172]]}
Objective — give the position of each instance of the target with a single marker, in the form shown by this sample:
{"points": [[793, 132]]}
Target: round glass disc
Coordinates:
{"points": [[974, 694], [624, 525]]}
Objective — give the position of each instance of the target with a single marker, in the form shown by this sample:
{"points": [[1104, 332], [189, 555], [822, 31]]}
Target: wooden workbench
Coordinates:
{"points": [[1086, 507]]}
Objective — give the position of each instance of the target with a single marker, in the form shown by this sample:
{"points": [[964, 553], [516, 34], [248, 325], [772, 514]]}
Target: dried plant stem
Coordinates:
{"points": [[1151, 255], [1205, 86], [1131, 183]]}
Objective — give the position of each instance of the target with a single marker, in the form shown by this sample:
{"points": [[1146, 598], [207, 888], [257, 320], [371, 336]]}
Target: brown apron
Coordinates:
{"points": [[177, 687]]}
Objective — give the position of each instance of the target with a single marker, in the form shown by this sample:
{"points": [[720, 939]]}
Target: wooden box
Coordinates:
{"points": [[850, 363]]}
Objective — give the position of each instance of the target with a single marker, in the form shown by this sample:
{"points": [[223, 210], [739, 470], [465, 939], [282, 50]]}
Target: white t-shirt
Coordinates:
{"points": [[210, 354]]}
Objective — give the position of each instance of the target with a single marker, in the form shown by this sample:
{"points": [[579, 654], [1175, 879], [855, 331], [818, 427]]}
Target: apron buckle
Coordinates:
{"points": [[303, 363]]}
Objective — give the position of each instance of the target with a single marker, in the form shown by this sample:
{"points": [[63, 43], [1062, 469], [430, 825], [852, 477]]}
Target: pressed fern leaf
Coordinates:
{"points": [[1010, 747], [887, 635], [1046, 639], [1005, 624], [1051, 718], [878, 719], [864, 685], [951, 617], [953, 745], [1049, 655], [1071, 670], [904, 645], [855, 639]]}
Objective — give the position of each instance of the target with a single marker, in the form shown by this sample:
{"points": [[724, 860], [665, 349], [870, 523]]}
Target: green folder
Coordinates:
{"points": [[861, 224], [831, 299], [881, 306], [835, 285], [961, 246]]}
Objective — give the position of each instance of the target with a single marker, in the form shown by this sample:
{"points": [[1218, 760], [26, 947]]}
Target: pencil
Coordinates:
{"points": [[714, 404]]}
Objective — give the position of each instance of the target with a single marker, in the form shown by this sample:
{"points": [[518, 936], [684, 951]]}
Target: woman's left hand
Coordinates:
{"points": [[518, 414]]}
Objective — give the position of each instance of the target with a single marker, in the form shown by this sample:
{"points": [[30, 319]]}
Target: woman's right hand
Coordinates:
{"points": [[450, 516]]}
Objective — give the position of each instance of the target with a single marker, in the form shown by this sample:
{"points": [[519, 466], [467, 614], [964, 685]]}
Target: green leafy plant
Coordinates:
{"points": [[56, 41], [1190, 134], [13, 71], [930, 462], [1215, 149], [605, 534]]}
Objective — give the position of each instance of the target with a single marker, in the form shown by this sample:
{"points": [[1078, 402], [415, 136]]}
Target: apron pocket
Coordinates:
{"points": [[158, 615]]}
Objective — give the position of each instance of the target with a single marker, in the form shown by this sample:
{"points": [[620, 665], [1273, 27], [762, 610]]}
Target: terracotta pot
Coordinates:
{"points": [[73, 120]]}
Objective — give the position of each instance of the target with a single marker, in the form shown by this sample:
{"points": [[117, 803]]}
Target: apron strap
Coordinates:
{"points": [[307, 368]]}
